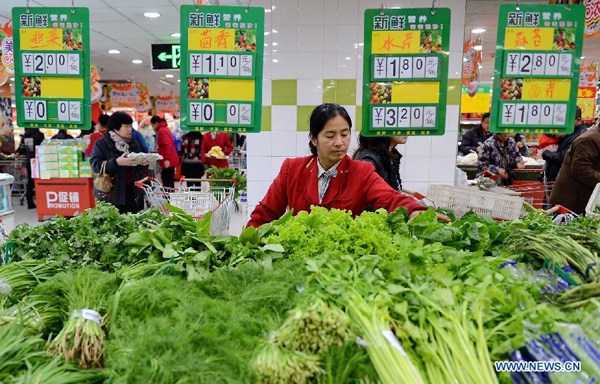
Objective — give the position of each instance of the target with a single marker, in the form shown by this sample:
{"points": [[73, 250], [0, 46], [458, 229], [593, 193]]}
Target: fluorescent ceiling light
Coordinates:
{"points": [[276, 60], [478, 30], [152, 15], [275, 43], [478, 47], [114, 51], [176, 34], [168, 76], [348, 58], [274, 31], [179, 80], [137, 61]]}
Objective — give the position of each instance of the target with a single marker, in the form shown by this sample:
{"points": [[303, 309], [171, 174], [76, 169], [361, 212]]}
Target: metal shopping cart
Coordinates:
{"points": [[20, 175], [196, 197]]}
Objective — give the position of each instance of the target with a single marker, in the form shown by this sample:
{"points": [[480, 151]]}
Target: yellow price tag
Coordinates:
{"points": [[41, 39], [532, 39], [211, 39], [546, 89], [395, 41], [416, 92]]}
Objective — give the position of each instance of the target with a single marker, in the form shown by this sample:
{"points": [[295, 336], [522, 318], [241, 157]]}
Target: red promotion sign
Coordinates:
{"points": [[64, 197]]}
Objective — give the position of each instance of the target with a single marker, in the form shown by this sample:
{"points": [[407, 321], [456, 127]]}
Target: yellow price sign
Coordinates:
{"points": [[395, 41], [478, 103], [546, 89], [532, 39], [41, 39], [211, 39], [416, 92], [588, 106]]}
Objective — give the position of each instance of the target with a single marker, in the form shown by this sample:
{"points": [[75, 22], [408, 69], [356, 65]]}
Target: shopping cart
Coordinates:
{"points": [[237, 160], [196, 197], [20, 175]]}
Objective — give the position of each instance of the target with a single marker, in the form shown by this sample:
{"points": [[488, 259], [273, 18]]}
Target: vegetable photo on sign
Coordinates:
{"points": [[245, 40], [381, 93], [72, 39], [564, 39], [431, 41], [198, 88]]}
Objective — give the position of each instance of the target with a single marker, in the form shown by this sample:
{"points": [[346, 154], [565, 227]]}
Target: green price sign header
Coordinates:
{"points": [[536, 73], [52, 67]]}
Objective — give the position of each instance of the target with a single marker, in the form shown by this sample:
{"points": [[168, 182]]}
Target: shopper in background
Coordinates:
{"points": [[499, 155], [62, 135], [114, 148], [31, 139], [554, 159], [138, 136], [191, 162], [579, 173], [382, 153], [102, 122], [165, 146], [214, 139], [473, 139], [521, 144], [329, 178]]}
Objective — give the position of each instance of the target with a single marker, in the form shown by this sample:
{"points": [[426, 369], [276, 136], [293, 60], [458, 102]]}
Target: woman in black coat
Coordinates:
{"points": [[113, 148], [382, 153]]}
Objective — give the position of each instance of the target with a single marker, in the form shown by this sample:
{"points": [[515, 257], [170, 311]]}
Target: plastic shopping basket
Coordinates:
{"points": [[196, 197]]}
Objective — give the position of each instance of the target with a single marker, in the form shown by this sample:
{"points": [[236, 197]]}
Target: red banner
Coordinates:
{"points": [[592, 18]]}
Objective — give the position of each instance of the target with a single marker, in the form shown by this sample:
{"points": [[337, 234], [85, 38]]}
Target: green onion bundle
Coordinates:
{"points": [[19, 278], [275, 364], [57, 372], [82, 338], [315, 328]]}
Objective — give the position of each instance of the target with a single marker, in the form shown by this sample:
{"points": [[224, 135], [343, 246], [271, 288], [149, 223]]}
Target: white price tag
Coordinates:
{"points": [[50, 62], [40, 110], [416, 117], [512, 64], [431, 67], [564, 64], [195, 64], [208, 64], [27, 62], [525, 64], [245, 65], [245, 114], [533, 117], [405, 68], [208, 113], [379, 67], [233, 65], [508, 114], [546, 114], [392, 68], [196, 112], [429, 117], [29, 109], [418, 67], [221, 65], [378, 117], [233, 113], [39, 63], [73, 64], [391, 117], [63, 110], [62, 65], [560, 114], [539, 64], [521, 113], [551, 64], [74, 111], [404, 117]]}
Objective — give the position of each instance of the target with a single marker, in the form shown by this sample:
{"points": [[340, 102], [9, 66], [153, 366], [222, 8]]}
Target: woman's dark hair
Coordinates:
{"points": [[320, 116], [118, 119], [156, 120], [378, 145], [485, 116]]}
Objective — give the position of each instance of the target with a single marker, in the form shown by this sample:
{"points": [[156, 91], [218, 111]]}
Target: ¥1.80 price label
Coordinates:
{"points": [[406, 67], [534, 115], [544, 64]]}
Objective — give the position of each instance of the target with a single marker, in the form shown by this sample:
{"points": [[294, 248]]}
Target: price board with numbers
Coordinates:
{"points": [[537, 68], [52, 67], [222, 68], [405, 71]]}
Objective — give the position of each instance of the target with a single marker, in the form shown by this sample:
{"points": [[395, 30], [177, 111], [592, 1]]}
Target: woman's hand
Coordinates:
{"points": [[440, 216], [124, 161]]}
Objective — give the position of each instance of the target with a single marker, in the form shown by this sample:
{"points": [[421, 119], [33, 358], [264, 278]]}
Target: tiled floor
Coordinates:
{"points": [[24, 215]]}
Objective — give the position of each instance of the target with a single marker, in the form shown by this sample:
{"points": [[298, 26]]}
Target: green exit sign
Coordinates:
{"points": [[165, 56]]}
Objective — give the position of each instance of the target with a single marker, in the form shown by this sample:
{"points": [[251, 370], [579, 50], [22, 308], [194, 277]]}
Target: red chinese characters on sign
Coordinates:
{"points": [[550, 89], [537, 39], [221, 38], [521, 40]]}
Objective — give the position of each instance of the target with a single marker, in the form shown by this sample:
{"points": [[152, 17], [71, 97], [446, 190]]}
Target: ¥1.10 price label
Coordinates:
{"points": [[406, 67], [222, 63]]}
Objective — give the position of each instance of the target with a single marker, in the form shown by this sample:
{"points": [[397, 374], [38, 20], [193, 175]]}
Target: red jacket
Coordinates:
{"points": [[93, 138], [166, 145], [221, 140], [356, 187]]}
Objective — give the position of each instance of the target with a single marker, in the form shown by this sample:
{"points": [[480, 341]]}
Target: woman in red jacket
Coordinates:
{"points": [[329, 178], [166, 148], [215, 139]]}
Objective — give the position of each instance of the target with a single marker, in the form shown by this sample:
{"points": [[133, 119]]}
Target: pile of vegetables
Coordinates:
{"points": [[320, 297]]}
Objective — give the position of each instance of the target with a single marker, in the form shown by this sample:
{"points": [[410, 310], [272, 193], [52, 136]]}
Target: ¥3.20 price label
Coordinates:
{"points": [[537, 68], [405, 71], [221, 62]]}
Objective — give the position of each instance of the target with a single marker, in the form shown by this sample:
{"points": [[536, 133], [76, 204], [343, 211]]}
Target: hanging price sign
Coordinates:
{"points": [[537, 68], [405, 71], [222, 67], [52, 67]]}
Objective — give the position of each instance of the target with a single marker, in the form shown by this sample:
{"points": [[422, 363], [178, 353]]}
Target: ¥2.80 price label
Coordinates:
{"points": [[538, 64]]}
